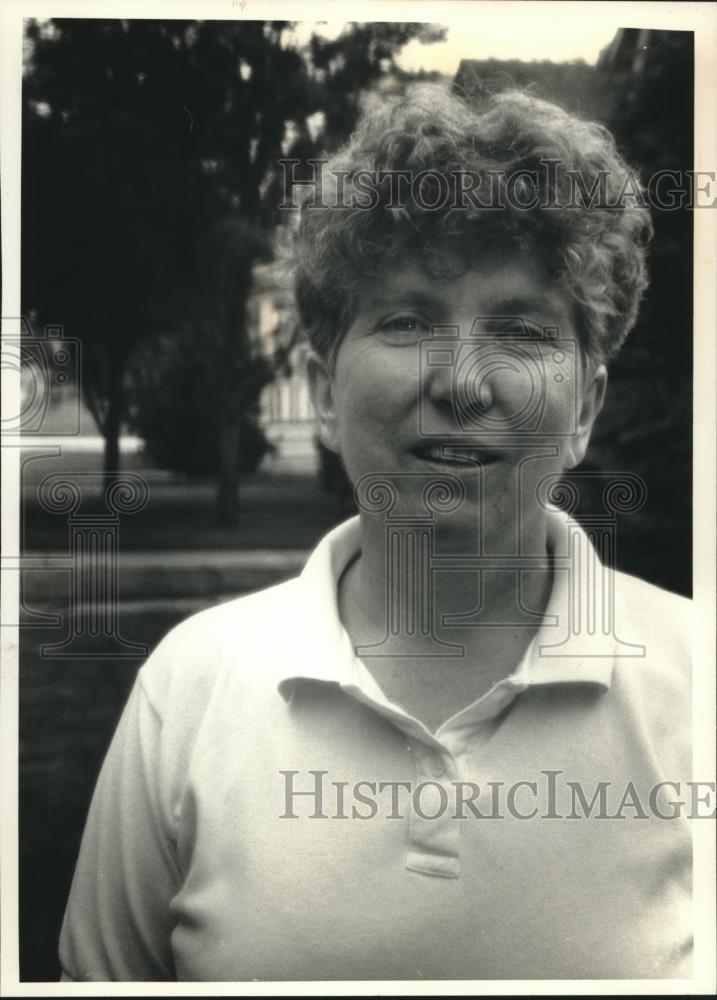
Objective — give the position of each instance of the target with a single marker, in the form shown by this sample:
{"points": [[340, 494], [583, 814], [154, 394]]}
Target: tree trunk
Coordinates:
{"points": [[234, 252], [227, 503], [113, 422]]}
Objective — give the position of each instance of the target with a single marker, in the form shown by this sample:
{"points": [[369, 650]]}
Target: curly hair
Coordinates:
{"points": [[559, 189]]}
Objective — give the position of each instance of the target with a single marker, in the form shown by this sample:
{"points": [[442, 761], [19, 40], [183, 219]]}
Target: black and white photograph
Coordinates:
{"points": [[358, 512]]}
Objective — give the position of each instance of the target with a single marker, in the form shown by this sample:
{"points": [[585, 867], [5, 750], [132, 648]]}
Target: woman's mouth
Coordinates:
{"points": [[457, 455]]}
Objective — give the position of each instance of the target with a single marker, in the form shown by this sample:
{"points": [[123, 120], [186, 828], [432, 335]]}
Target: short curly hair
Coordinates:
{"points": [[583, 217]]}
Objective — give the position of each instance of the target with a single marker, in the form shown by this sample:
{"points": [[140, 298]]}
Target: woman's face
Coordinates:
{"points": [[477, 376]]}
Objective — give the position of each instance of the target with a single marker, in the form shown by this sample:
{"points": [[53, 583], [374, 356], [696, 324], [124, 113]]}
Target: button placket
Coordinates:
{"points": [[433, 832], [437, 766]]}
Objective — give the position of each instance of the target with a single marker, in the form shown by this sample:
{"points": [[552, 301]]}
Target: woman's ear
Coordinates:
{"points": [[591, 400], [321, 390]]}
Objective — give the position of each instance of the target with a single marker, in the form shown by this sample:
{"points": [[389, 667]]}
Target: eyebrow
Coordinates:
{"points": [[405, 296], [519, 304], [417, 293]]}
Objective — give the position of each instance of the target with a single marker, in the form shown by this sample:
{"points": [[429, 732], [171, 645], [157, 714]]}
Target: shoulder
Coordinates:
{"points": [[245, 635], [653, 659], [242, 649], [652, 612]]}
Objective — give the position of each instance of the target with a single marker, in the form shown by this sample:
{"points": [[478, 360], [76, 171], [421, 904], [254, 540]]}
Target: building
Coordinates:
{"points": [[286, 413]]}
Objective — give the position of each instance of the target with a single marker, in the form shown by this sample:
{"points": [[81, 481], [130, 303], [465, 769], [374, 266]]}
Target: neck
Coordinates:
{"points": [[391, 590]]}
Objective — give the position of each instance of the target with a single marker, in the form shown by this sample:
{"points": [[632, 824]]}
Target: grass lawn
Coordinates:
{"points": [[276, 511]]}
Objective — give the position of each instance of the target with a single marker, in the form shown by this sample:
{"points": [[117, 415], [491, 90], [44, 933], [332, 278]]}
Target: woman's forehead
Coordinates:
{"points": [[513, 285]]}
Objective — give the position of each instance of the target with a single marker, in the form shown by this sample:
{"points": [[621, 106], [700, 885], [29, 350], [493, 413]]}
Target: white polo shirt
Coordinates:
{"points": [[524, 839]]}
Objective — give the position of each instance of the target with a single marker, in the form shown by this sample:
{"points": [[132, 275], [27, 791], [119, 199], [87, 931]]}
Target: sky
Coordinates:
{"points": [[506, 34], [494, 40]]}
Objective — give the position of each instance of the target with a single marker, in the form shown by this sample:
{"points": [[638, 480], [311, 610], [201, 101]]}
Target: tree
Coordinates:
{"points": [[108, 229], [230, 251], [649, 415], [173, 404], [152, 154]]}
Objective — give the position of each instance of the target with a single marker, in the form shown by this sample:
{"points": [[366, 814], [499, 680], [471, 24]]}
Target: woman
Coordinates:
{"points": [[400, 764]]}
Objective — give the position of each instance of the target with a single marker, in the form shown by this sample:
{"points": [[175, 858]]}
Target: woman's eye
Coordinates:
{"points": [[403, 329]]}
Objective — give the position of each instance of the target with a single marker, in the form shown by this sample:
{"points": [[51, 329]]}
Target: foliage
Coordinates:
{"points": [[151, 182], [173, 404], [647, 423]]}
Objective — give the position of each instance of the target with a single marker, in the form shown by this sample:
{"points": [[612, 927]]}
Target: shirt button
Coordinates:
{"points": [[437, 766]]}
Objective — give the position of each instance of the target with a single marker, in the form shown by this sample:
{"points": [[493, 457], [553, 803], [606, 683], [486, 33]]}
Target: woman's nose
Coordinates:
{"points": [[463, 382], [486, 387]]}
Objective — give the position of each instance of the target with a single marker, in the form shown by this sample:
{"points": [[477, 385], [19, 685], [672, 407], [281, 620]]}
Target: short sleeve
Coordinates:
{"points": [[118, 924]]}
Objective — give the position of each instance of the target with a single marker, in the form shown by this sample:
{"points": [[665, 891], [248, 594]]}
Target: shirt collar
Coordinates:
{"points": [[327, 653], [318, 634], [559, 654]]}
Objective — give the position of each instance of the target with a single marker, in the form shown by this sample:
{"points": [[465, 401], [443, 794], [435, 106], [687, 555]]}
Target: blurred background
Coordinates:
{"points": [[164, 345]]}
